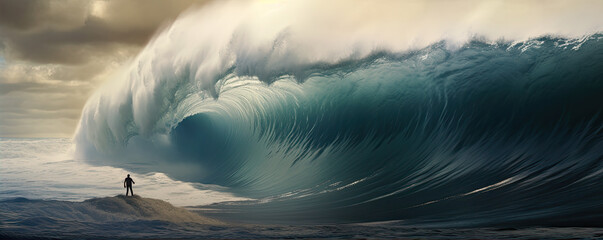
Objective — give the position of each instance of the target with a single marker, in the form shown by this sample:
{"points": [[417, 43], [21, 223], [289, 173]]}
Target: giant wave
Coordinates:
{"points": [[464, 131]]}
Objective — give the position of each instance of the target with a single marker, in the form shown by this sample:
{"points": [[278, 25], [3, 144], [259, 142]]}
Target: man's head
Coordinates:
{"points": [[128, 175]]}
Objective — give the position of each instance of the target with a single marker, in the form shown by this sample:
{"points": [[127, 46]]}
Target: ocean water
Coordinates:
{"points": [[282, 127], [505, 133], [45, 193], [45, 169]]}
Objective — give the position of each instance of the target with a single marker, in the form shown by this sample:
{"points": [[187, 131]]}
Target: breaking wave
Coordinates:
{"points": [[365, 127]]}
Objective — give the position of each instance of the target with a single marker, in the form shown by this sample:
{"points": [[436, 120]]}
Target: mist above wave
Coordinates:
{"points": [[268, 40]]}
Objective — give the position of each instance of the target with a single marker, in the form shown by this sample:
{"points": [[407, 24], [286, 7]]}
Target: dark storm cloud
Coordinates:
{"points": [[30, 14], [92, 40], [55, 53], [18, 14], [68, 32]]}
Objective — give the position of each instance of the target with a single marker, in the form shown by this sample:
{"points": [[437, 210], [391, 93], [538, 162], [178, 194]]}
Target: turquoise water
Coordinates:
{"points": [[487, 134]]}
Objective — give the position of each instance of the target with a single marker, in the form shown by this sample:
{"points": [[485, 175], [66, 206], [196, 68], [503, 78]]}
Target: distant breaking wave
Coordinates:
{"points": [[462, 131]]}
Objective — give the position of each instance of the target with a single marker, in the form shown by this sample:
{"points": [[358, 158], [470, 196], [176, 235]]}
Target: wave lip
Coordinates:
{"points": [[187, 62]]}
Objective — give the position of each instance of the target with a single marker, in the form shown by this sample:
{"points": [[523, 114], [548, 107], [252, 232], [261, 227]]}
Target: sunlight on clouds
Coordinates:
{"points": [[98, 8], [67, 48], [71, 42]]}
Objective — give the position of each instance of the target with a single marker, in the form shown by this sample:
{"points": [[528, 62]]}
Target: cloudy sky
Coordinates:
{"points": [[54, 54]]}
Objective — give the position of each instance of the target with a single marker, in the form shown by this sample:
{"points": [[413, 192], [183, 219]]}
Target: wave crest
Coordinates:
{"points": [[402, 131]]}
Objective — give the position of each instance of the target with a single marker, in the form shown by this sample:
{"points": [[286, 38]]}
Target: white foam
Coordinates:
{"points": [[267, 39]]}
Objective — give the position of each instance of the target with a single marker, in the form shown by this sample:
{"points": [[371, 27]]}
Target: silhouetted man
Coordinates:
{"points": [[128, 185]]}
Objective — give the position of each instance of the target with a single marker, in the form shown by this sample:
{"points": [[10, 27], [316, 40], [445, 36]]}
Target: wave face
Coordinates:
{"points": [[478, 133]]}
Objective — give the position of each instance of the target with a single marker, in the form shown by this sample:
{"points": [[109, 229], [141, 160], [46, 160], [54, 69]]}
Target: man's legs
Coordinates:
{"points": [[129, 188]]}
